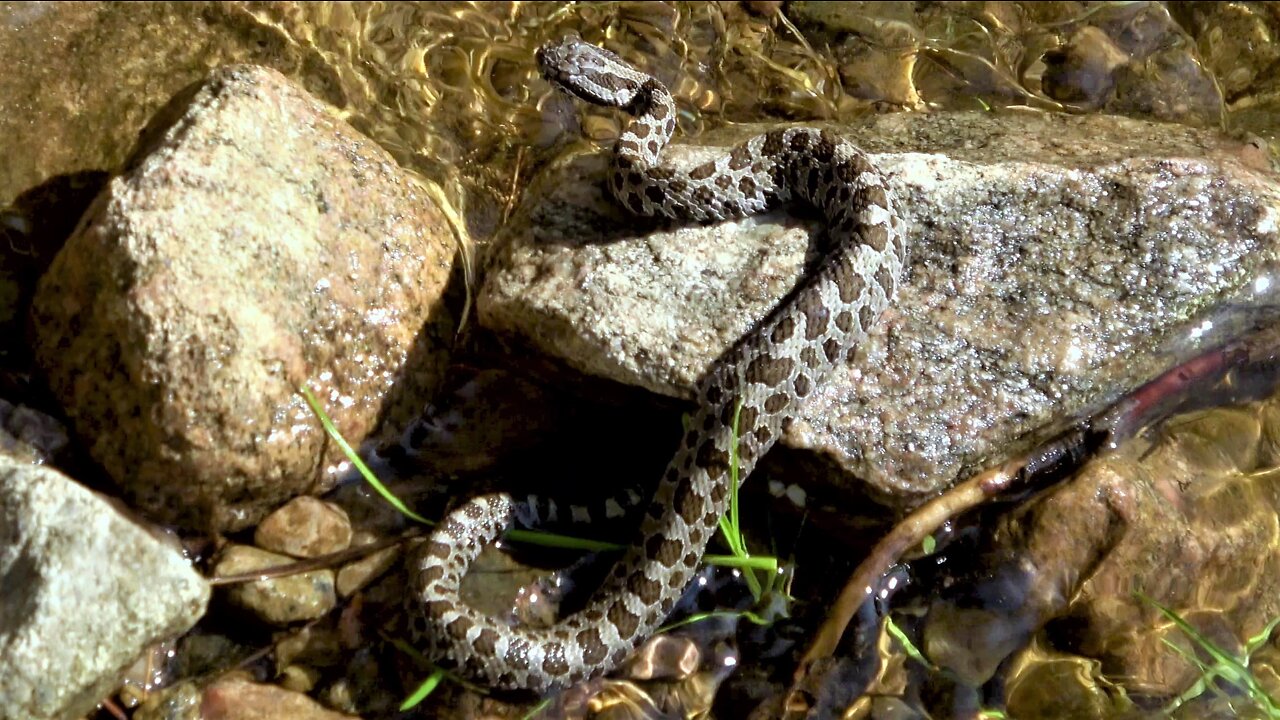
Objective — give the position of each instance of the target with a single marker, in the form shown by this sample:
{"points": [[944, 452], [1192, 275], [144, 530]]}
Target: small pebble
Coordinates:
{"points": [[356, 575], [305, 527], [279, 600], [236, 699]]}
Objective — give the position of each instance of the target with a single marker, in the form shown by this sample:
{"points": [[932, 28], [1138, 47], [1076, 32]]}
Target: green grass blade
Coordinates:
{"points": [[427, 687], [734, 479], [532, 537], [762, 563], [747, 615], [1257, 641], [537, 709], [732, 527], [347, 450], [908, 647], [1225, 666], [546, 539]]}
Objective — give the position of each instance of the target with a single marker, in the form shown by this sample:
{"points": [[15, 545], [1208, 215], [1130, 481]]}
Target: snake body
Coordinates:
{"points": [[764, 377]]}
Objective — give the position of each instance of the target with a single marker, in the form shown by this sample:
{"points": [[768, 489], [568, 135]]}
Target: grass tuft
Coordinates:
{"points": [[1222, 665]]}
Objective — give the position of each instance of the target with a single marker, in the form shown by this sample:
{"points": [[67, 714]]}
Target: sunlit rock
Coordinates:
{"points": [[254, 243], [1055, 263], [85, 592]]}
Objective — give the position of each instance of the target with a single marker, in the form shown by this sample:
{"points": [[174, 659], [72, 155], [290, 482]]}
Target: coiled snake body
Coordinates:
{"points": [[768, 374]]}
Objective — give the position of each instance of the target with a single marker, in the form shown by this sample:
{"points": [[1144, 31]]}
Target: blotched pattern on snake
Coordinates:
{"points": [[770, 371]]}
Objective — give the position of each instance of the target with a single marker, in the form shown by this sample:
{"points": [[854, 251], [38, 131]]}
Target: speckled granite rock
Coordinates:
{"points": [[85, 591], [254, 242], [1055, 262]]}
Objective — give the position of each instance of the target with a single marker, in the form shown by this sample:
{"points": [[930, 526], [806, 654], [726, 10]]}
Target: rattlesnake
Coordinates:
{"points": [[765, 377]]}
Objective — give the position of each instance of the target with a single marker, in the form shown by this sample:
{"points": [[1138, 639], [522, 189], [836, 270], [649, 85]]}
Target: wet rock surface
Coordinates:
{"points": [[1134, 60], [254, 243], [355, 575], [1234, 40], [277, 600], [1056, 261], [1183, 517], [1145, 60], [88, 111], [240, 699], [28, 434], [86, 590], [304, 527]]}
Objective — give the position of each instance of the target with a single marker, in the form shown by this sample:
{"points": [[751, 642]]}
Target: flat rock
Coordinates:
{"points": [[254, 243], [1055, 262], [86, 591]]}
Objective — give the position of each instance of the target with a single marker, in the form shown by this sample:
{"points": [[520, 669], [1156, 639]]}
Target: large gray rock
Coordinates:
{"points": [[254, 243], [1056, 261], [85, 591]]}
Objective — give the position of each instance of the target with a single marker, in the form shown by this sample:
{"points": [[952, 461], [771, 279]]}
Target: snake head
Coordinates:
{"points": [[589, 72]]}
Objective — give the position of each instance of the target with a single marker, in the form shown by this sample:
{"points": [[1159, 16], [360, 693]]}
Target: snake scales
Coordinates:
{"points": [[770, 371]]}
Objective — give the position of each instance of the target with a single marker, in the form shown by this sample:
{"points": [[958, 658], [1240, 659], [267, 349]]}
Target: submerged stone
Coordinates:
{"points": [[1185, 517]]}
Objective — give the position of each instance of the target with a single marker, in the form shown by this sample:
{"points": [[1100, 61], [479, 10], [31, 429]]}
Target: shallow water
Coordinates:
{"points": [[451, 91]]}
